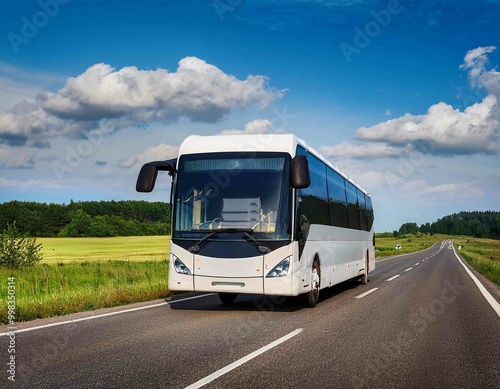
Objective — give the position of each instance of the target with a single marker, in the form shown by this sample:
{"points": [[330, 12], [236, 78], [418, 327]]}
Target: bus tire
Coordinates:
{"points": [[227, 298], [312, 296]]}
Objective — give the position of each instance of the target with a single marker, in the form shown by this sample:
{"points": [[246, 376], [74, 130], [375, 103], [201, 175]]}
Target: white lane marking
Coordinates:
{"points": [[99, 316], [239, 362], [494, 303], [409, 269], [418, 263], [423, 260], [366, 293], [393, 278]]}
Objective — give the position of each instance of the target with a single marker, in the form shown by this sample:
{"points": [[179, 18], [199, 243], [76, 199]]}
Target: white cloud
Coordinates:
{"points": [[104, 97], [446, 130], [388, 112], [475, 62], [156, 153], [17, 84], [197, 91], [365, 150], [446, 192], [13, 158], [32, 183], [257, 126]]}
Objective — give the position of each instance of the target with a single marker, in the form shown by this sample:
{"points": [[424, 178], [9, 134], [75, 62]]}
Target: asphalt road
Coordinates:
{"points": [[421, 322]]}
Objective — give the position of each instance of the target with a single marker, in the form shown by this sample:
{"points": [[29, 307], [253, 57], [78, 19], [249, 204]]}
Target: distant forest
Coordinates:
{"points": [[87, 218], [477, 224], [135, 218]]}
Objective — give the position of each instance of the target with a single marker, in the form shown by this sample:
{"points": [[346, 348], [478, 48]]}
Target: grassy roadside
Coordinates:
{"points": [[482, 254], [385, 243], [80, 274]]}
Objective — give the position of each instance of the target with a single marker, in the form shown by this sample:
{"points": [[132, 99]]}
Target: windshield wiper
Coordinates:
{"points": [[246, 231]]}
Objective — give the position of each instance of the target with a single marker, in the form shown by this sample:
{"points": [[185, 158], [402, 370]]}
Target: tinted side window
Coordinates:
{"points": [[362, 211], [313, 201], [352, 206], [369, 212], [337, 201]]}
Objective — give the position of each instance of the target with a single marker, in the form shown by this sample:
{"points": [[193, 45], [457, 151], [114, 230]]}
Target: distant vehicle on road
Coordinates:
{"points": [[262, 214]]}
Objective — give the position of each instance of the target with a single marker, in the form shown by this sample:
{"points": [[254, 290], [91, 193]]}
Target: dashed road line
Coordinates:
{"points": [[392, 278], [408, 269], [366, 293], [239, 362]]}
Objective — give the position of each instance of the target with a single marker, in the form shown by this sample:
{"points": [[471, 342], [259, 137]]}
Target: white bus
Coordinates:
{"points": [[262, 214]]}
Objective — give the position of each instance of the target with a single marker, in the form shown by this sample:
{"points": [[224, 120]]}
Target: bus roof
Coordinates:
{"points": [[195, 144]]}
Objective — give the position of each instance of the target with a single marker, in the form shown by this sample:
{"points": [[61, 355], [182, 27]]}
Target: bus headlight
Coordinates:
{"points": [[180, 267], [280, 270]]}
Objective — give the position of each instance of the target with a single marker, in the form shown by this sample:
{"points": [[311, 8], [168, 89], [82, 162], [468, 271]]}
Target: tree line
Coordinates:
{"points": [[485, 224], [87, 218]]}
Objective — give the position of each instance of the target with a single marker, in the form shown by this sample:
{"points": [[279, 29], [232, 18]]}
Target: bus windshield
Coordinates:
{"points": [[248, 191]]}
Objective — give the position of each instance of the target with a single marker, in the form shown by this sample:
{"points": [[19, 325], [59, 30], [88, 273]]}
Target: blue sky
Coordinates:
{"points": [[400, 95]]}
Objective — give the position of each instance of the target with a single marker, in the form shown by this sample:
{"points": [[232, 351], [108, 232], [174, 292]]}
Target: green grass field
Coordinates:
{"points": [[385, 243], [80, 274], [125, 248], [482, 254]]}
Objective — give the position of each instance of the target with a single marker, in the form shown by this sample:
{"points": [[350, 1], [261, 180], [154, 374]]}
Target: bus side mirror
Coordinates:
{"points": [[299, 172], [149, 171]]}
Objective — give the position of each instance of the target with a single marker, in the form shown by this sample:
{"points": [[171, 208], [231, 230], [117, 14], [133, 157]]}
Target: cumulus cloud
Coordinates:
{"points": [[156, 153], [442, 129], [454, 191], [103, 96], [13, 158], [445, 129], [257, 126], [364, 150], [475, 63], [197, 90]]}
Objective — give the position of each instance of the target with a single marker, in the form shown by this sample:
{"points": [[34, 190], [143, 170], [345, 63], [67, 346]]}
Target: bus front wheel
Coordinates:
{"points": [[312, 296], [227, 298]]}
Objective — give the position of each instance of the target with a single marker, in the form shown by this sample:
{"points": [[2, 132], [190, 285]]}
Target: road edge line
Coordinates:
{"points": [[98, 316], [487, 295]]}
